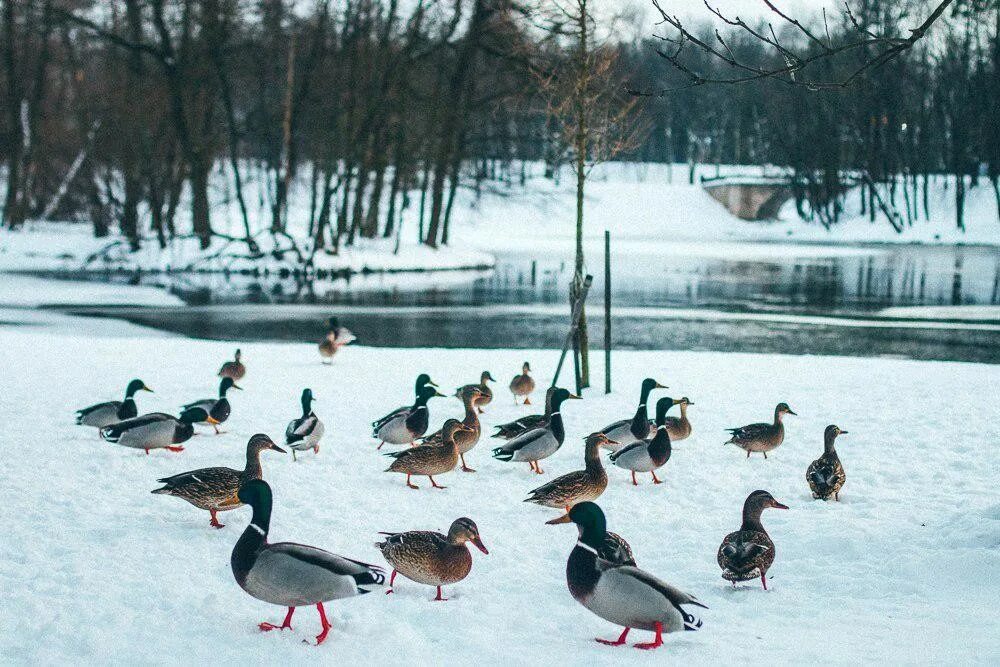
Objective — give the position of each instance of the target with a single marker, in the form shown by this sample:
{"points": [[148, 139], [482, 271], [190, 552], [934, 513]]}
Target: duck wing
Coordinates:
{"points": [[564, 486], [528, 446], [519, 426], [301, 428], [616, 550], [629, 452], [750, 431], [379, 423], [99, 414], [115, 431], [297, 574]]}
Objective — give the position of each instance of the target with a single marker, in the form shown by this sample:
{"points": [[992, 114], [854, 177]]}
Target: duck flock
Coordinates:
{"points": [[601, 571]]}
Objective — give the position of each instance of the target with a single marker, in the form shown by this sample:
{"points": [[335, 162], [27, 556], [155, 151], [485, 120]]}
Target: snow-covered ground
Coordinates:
{"points": [[94, 569]]}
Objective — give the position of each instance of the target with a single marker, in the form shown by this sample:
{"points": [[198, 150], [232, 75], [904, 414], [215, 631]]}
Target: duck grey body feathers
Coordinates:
{"points": [[156, 430]]}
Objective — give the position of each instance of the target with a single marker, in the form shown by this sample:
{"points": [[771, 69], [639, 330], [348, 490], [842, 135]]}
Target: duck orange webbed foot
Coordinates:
{"points": [[614, 642], [285, 625], [657, 641]]}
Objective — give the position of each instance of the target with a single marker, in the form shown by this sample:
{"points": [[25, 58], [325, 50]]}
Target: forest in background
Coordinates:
{"points": [[117, 113]]}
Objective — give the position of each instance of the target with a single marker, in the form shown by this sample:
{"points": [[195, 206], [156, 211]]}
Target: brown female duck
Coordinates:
{"points": [[523, 384], [579, 485], [748, 552], [215, 489], [429, 460], [336, 337], [761, 437], [679, 428], [484, 390], [826, 474], [466, 439], [233, 369], [430, 558]]}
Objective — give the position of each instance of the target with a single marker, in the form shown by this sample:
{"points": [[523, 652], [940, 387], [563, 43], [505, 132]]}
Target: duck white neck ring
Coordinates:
{"points": [[585, 547], [258, 528]]}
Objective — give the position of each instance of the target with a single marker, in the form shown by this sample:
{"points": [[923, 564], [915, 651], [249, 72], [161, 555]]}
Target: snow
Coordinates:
{"points": [[25, 291], [962, 313], [94, 569]]}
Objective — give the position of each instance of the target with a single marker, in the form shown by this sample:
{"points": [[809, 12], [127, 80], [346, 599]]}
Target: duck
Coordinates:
{"points": [[466, 439], [304, 432], [761, 437], [679, 428], [430, 558], [826, 475], [523, 384], [538, 443], [484, 389], [423, 380], [336, 338], [613, 549], [212, 411], [216, 489], [622, 594], [648, 455], [524, 424], [429, 460], [579, 485], [407, 426], [233, 369], [290, 574], [747, 553], [155, 430], [627, 431], [112, 412]]}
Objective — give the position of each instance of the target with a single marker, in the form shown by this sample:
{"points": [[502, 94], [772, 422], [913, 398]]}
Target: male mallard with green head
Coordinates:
{"points": [[525, 424], [627, 431], [405, 427], [538, 443], [305, 432], [648, 455], [112, 412], [212, 411], [155, 430]]}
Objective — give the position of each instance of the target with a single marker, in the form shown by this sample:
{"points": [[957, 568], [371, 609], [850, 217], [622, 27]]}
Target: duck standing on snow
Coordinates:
{"points": [[621, 594], [233, 369], [290, 574], [484, 390], [761, 437], [156, 430], [579, 485], [614, 549], [627, 431], [305, 432], [423, 380], [465, 439], [336, 338], [826, 474], [647, 456], [430, 558], [679, 428], [406, 426], [525, 424], [430, 460], [539, 443], [748, 552], [216, 489], [111, 412], [212, 411], [523, 384]]}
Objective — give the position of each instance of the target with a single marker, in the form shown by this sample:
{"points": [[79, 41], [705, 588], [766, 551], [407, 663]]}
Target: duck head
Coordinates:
{"points": [[452, 427], [307, 401], [333, 323], [486, 376], [134, 386], [685, 401], [260, 442], [760, 500], [663, 407], [423, 380], [598, 439], [465, 530], [590, 521], [237, 355], [648, 385], [471, 394], [782, 409], [830, 435], [227, 384], [526, 368], [426, 394], [559, 396]]}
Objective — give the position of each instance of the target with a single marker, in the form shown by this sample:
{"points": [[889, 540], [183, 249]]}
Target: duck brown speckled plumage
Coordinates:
{"points": [[523, 384], [826, 475], [467, 438], [679, 428], [484, 389], [761, 437], [429, 460], [233, 369], [580, 485], [749, 552], [430, 558], [215, 489]]}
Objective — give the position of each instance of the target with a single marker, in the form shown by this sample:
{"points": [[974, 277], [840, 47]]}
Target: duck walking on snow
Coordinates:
{"points": [[748, 552], [289, 574], [826, 474], [233, 369], [216, 489], [647, 456], [336, 338], [467, 438], [761, 437], [486, 394], [403, 427], [429, 460], [525, 424], [539, 443], [523, 385], [431, 558], [621, 594], [156, 430], [305, 432], [627, 431], [212, 411], [579, 485], [111, 412]]}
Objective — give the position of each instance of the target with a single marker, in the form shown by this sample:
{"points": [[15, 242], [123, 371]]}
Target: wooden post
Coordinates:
{"points": [[607, 311], [574, 323], [576, 364]]}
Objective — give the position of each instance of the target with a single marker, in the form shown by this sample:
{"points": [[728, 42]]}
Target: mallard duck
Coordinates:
{"points": [[215, 489], [614, 549], [748, 553], [538, 443], [465, 439], [431, 558], [212, 411], [405, 427], [761, 437], [423, 380], [648, 455], [679, 428], [826, 474], [290, 574], [579, 485], [525, 424], [111, 412], [336, 338], [305, 432], [484, 390], [621, 594], [523, 384], [627, 431], [233, 369], [429, 460], [156, 430]]}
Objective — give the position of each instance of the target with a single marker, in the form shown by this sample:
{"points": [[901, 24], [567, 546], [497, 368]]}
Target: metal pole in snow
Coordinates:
{"points": [[607, 311], [574, 324]]}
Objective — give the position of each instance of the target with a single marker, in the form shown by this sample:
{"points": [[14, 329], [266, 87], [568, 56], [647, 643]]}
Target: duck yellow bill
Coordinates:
{"points": [[563, 519], [145, 388], [576, 397]]}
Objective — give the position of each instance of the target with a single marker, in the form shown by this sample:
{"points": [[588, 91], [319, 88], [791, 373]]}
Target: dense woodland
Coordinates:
{"points": [[120, 112]]}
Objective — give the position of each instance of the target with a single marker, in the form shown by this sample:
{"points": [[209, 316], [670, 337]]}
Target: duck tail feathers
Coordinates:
{"points": [[502, 454]]}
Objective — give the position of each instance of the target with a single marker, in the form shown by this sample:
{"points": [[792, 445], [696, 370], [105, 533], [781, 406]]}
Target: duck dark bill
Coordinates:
{"points": [[562, 519], [479, 545]]}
